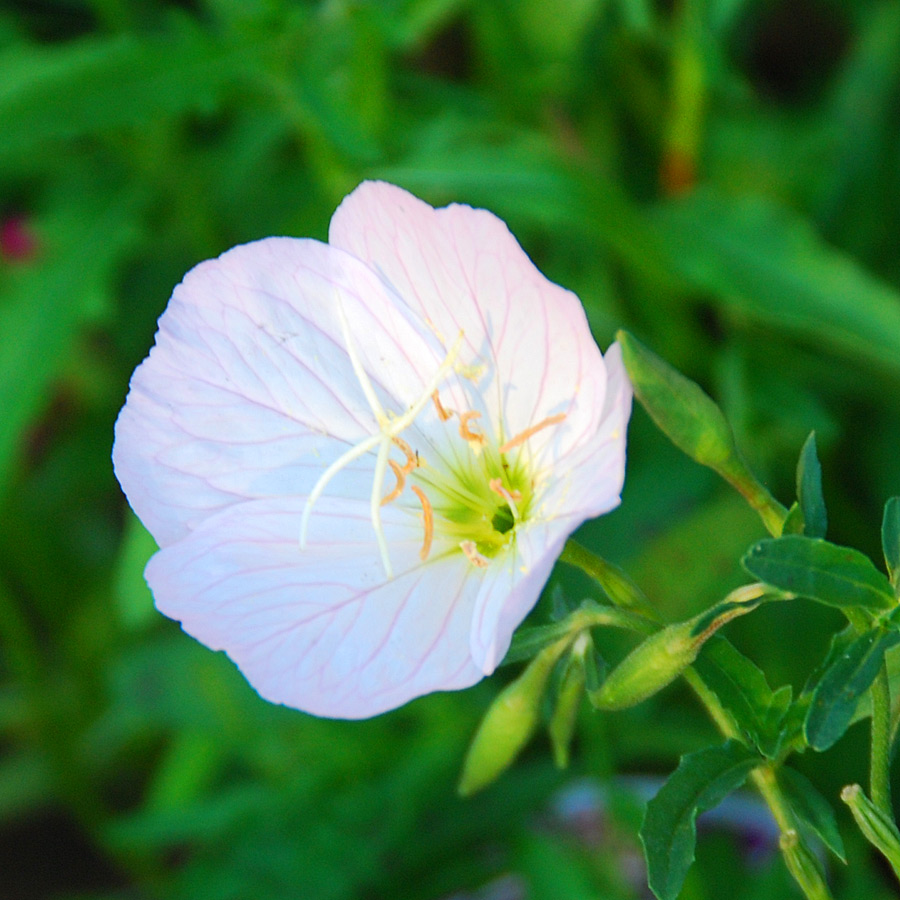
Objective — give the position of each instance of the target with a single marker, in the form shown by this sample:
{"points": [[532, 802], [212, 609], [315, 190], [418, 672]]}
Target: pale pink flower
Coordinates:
{"points": [[362, 458]]}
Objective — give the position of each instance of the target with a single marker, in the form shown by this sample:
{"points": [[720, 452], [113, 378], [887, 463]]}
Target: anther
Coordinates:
{"points": [[443, 414], [475, 438], [412, 459], [523, 436], [472, 555], [389, 428], [496, 485], [428, 513], [400, 475]]}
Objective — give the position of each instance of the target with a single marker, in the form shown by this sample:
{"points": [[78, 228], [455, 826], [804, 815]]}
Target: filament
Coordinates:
{"points": [[523, 436], [428, 513]]}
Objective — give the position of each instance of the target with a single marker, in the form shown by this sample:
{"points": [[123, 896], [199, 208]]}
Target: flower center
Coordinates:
{"points": [[480, 498], [476, 502]]}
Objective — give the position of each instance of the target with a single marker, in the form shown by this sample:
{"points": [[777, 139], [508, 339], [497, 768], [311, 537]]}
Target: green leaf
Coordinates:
{"points": [[812, 809], [766, 262], [812, 567], [682, 410], [838, 692], [890, 538], [65, 91], [794, 523], [528, 642], [809, 490], [741, 686], [47, 306], [701, 781], [131, 595]]}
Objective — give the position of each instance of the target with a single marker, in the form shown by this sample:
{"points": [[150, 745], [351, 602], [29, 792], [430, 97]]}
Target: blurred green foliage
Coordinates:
{"points": [[722, 177]]}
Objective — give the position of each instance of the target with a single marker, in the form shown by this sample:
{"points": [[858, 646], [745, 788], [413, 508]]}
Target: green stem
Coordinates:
{"points": [[613, 580], [763, 777], [879, 768]]}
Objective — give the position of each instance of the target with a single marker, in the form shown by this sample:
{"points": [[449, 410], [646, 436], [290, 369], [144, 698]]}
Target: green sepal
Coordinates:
{"points": [[811, 809], [809, 490], [509, 722], [851, 670], [890, 540], [815, 568], [701, 781]]}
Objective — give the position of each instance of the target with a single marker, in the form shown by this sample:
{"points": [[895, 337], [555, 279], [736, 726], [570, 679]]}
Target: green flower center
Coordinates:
{"points": [[481, 499]]}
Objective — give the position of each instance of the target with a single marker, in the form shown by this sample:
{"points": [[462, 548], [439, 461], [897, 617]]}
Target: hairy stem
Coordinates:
{"points": [[880, 758]]}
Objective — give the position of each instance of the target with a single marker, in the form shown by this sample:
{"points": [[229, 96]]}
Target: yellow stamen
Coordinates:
{"points": [[412, 459], [523, 436], [389, 428], [401, 482], [428, 512], [475, 438], [496, 485], [472, 554], [443, 414]]}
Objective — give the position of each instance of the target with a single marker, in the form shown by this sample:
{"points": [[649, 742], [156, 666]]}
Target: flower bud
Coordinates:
{"points": [[684, 412], [803, 866], [509, 723], [653, 664], [690, 418], [877, 827], [568, 700], [662, 657]]}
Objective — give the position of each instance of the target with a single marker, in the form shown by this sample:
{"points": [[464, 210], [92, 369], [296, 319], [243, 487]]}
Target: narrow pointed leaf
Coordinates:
{"points": [[837, 694], [793, 523], [809, 490], [701, 781], [741, 686], [528, 642], [812, 567]]}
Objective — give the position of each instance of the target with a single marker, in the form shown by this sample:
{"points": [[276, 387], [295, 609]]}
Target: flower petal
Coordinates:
{"points": [[321, 630], [249, 391], [460, 268], [510, 588], [587, 481]]}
